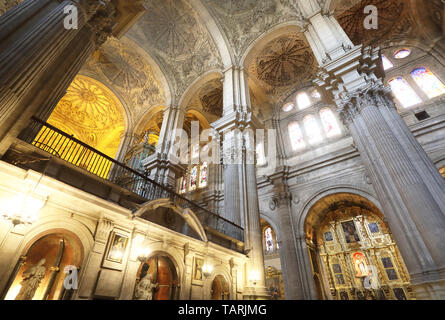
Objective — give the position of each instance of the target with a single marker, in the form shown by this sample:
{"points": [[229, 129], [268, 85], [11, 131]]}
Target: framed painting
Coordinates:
{"points": [[197, 272], [350, 231], [118, 247]]}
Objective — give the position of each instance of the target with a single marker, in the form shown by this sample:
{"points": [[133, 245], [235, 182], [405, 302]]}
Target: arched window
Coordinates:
{"points": [[402, 53], [329, 122], [194, 178], [404, 93], [203, 175], [303, 101], [387, 64], [184, 184], [288, 107], [312, 129], [296, 136], [428, 82], [268, 237], [316, 95]]}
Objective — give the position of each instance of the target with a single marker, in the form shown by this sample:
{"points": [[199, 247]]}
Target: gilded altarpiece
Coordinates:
{"points": [[357, 258]]}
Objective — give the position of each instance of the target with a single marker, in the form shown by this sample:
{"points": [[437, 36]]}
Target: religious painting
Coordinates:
{"points": [[344, 295], [117, 248], [350, 232], [197, 270], [360, 266], [273, 287]]}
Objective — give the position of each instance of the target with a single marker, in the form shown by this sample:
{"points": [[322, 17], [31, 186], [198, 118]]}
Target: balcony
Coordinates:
{"points": [[44, 148]]}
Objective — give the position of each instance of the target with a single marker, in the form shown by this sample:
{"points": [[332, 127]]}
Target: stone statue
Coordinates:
{"points": [[31, 281], [144, 289]]}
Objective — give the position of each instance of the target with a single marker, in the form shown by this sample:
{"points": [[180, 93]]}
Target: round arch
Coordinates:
{"points": [[222, 271]]}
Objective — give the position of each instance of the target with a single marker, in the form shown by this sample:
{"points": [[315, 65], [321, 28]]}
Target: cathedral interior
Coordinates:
{"points": [[338, 195]]}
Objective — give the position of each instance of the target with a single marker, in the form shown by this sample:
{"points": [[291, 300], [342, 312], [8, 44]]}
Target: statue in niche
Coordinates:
{"points": [[31, 281], [144, 289]]}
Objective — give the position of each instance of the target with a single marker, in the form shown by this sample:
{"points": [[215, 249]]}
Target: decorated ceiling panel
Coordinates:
{"points": [[284, 65], [244, 21], [175, 35], [120, 65], [91, 113], [395, 21]]}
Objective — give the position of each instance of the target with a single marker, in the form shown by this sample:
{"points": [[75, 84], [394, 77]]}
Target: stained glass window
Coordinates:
{"points": [[194, 178], [428, 82], [303, 101], [184, 184], [402, 53], [404, 93], [387, 64], [329, 122], [203, 175], [288, 107], [268, 239], [312, 129], [296, 136]]}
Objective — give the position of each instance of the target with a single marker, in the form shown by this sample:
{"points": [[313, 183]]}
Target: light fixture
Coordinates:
{"points": [[143, 253], [207, 270], [254, 277], [23, 209]]}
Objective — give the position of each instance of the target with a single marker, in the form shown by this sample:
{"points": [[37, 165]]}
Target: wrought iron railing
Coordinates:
{"points": [[58, 143]]}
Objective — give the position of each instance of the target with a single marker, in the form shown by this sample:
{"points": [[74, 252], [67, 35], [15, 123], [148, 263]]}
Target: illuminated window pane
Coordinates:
{"points": [[386, 63], [184, 184], [303, 101], [261, 159], [428, 82], [296, 136], [402, 53], [194, 178], [316, 95], [203, 175], [404, 93], [288, 107], [269, 239], [330, 124], [312, 129]]}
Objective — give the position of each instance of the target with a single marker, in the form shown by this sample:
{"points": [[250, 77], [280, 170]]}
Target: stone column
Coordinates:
{"points": [[288, 255], [164, 166], [40, 57], [36, 50], [240, 186]]}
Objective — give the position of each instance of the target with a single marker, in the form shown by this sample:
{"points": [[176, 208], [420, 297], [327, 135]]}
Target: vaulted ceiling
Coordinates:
{"points": [[178, 42]]}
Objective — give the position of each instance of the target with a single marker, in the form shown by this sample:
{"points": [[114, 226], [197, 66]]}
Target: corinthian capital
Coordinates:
{"points": [[103, 21]]}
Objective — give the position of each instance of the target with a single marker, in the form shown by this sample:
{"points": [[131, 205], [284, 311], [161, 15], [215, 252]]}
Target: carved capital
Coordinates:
{"points": [[102, 21], [375, 94], [103, 229]]}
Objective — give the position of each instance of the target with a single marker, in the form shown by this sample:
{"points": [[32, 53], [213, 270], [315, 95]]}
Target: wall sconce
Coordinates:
{"points": [[207, 270], [254, 277], [23, 209]]}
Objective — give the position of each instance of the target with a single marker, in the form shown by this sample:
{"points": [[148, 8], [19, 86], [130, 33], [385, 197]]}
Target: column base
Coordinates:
{"points": [[256, 293], [434, 290]]}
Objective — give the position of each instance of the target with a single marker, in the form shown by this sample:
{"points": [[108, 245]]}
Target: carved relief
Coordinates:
{"points": [[389, 27], [244, 21], [173, 32], [211, 97]]}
